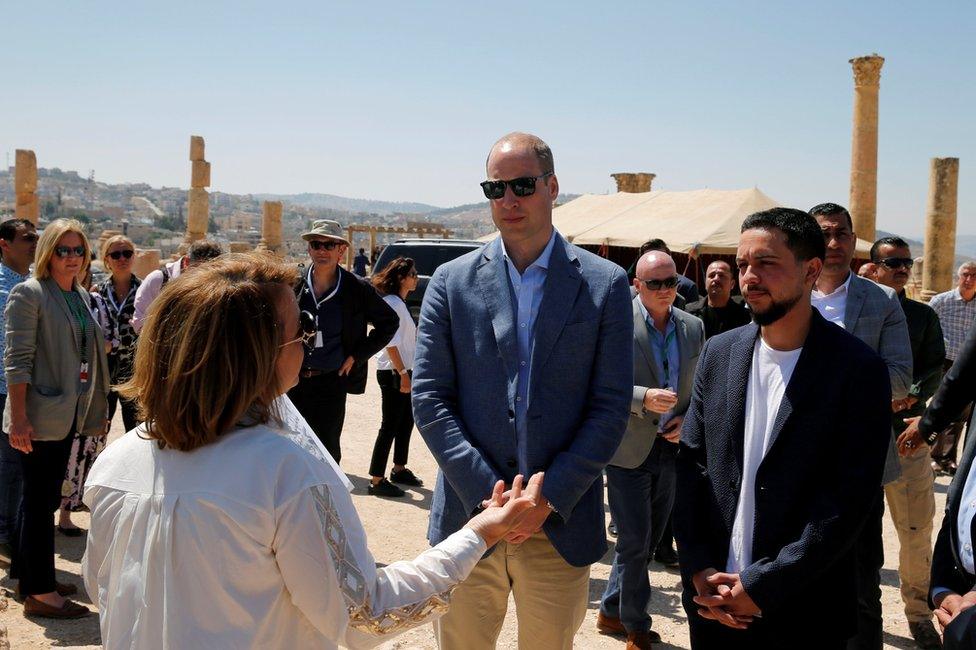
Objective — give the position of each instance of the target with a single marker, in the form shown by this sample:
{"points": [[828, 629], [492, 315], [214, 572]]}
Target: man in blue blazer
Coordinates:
{"points": [[523, 365], [767, 509]]}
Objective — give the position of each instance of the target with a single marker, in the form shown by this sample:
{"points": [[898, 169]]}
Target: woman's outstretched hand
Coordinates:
{"points": [[505, 509]]}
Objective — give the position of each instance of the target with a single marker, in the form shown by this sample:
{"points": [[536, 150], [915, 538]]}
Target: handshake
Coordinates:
{"points": [[721, 597], [513, 515]]}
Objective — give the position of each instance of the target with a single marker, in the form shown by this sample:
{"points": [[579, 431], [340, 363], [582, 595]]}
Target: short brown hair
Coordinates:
{"points": [[388, 280], [207, 355]]}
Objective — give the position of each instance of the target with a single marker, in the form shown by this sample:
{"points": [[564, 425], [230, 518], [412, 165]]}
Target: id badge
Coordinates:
{"points": [[318, 339], [83, 373]]}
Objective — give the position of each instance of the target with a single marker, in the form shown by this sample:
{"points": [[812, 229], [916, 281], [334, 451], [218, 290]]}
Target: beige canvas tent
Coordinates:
{"points": [[707, 221]]}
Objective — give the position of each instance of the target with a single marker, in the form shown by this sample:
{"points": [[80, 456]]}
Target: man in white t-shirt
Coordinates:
{"points": [[767, 511]]}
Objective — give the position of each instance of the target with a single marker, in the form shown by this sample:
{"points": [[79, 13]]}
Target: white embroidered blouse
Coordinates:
{"points": [[249, 542]]}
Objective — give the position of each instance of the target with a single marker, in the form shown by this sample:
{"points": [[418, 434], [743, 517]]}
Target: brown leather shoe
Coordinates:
{"points": [[640, 641], [70, 609], [609, 624]]}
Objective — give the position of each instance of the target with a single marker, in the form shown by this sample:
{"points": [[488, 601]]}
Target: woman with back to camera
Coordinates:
{"points": [[393, 372], [58, 383], [113, 303], [210, 527]]}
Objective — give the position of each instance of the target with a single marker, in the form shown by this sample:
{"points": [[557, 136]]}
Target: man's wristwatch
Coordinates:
{"points": [[403, 371]]}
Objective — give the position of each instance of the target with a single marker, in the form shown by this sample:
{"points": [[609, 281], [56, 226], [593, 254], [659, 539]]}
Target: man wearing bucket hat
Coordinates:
{"points": [[339, 305]]}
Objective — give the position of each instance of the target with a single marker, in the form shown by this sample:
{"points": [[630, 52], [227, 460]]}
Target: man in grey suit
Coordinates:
{"points": [[872, 313], [524, 365], [641, 475]]}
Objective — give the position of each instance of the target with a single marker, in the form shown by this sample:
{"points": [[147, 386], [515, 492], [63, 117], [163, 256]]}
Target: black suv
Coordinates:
{"points": [[427, 255]]}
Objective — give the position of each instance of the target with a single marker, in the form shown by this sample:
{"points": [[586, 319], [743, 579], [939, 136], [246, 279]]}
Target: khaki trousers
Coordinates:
{"points": [[550, 599], [911, 502]]}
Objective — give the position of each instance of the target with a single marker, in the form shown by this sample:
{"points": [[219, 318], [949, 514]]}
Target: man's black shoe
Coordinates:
{"points": [[925, 635], [385, 489], [668, 557], [405, 477], [612, 529]]}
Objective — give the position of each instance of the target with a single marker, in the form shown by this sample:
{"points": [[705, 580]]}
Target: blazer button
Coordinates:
{"points": [[511, 462], [653, 421]]}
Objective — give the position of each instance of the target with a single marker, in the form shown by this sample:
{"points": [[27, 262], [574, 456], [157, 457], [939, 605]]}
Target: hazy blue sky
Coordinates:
{"points": [[401, 100]]}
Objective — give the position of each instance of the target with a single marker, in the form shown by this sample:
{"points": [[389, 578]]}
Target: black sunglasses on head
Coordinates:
{"points": [[318, 244], [524, 186], [307, 322], [657, 285], [65, 251], [117, 255], [898, 262]]}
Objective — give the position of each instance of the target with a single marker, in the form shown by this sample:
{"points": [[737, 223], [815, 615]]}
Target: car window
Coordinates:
{"points": [[427, 258]]}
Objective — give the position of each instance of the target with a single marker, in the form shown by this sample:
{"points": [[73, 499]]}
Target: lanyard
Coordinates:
{"points": [[81, 317], [311, 290], [117, 307]]}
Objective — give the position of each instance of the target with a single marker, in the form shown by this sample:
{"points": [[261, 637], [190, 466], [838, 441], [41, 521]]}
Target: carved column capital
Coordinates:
{"points": [[867, 70]]}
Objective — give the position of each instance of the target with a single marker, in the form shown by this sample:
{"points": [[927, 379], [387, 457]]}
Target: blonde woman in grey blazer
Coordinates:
{"points": [[57, 375]]}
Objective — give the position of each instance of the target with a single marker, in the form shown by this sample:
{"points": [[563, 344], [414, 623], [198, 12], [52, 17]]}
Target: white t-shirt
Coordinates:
{"points": [[833, 305], [770, 374], [405, 339]]}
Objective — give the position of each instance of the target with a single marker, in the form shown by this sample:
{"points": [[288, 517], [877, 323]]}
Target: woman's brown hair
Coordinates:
{"points": [[207, 355], [388, 280]]}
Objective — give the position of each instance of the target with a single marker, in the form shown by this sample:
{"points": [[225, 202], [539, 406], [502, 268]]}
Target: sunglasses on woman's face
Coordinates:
{"points": [[306, 322], [524, 186], [117, 255], [317, 244], [657, 285], [67, 251]]}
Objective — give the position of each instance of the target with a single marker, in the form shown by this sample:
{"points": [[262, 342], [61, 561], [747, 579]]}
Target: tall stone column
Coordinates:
{"points": [[271, 227], [634, 183], [198, 202], [863, 204], [940, 227], [26, 204], [146, 261]]}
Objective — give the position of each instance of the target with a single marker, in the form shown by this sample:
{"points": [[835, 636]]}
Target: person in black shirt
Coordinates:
{"points": [[717, 310], [341, 304]]}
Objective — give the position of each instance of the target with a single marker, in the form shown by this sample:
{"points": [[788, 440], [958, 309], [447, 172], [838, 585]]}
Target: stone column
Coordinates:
{"points": [[940, 227], [146, 261], [271, 228], [863, 204], [634, 183], [26, 205], [198, 200]]}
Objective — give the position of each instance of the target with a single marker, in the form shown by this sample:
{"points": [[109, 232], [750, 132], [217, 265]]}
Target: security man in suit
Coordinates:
{"points": [[872, 313], [640, 477]]}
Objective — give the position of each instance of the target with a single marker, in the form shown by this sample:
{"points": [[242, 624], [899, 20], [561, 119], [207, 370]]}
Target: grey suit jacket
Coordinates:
{"points": [[874, 315], [642, 428], [44, 351]]}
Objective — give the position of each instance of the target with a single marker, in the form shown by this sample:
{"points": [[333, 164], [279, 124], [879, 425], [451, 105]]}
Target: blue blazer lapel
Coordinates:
{"points": [[562, 284], [643, 340], [740, 364], [492, 277]]}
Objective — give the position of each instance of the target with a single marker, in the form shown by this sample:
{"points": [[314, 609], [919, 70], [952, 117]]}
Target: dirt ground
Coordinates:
{"points": [[396, 529]]}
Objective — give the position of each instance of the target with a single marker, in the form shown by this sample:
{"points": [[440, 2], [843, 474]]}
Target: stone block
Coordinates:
{"points": [[198, 210], [29, 209], [146, 261], [200, 177], [25, 171], [197, 147]]}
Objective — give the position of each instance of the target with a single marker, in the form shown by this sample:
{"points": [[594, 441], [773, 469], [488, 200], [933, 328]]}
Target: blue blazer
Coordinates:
{"points": [[464, 383], [814, 488]]}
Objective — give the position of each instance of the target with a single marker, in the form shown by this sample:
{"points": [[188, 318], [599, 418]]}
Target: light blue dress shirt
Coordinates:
{"points": [[664, 346], [8, 278], [527, 290]]}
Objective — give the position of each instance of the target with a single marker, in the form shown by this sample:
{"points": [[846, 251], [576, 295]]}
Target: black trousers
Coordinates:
{"points": [[44, 470], [711, 635], [397, 424], [946, 446], [869, 549], [322, 402], [130, 417]]}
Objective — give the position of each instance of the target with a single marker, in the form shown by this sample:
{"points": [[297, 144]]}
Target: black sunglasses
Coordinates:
{"points": [[898, 262], [657, 285], [306, 323], [318, 244], [524, 186], [117, 255], [65, 251]]}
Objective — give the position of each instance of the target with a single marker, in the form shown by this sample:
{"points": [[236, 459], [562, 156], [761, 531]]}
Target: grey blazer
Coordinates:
{"points": [[873, 314], [642, 428], [43, 351]]}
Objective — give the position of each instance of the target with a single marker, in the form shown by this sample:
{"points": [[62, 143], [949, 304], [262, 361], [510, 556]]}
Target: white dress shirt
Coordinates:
{"points": [[248, 542], [768, 378], [964, 521], [405, 339], [832, 305]]}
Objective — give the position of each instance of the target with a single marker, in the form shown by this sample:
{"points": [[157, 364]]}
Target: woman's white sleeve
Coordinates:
{"points": [[320, 547]]}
